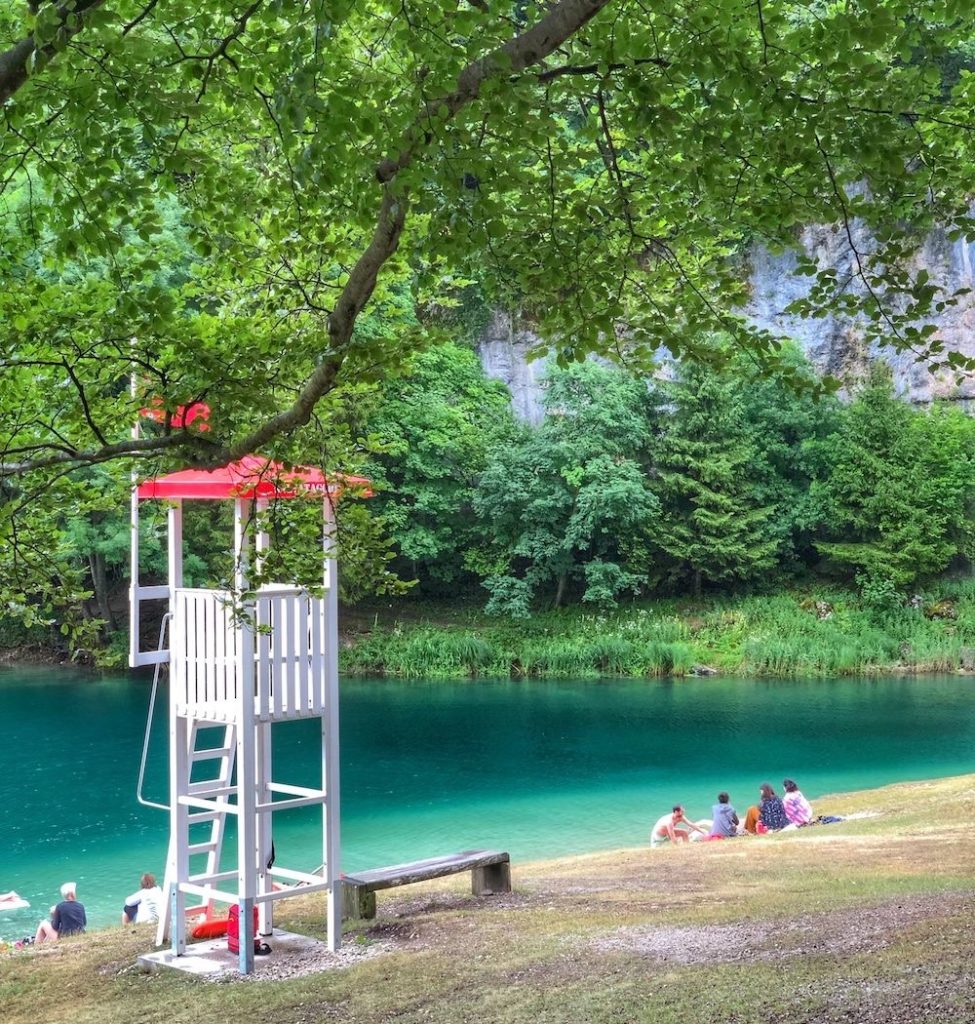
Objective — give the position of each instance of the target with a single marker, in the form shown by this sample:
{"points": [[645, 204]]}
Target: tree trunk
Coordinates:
{"points": [[99, 581], [560, 590], [697, 583]]}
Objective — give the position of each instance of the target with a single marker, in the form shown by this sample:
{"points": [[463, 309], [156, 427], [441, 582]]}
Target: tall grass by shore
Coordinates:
{"points": [[828, 633]]}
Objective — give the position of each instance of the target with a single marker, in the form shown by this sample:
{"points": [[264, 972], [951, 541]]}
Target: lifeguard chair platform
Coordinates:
{"points": [[241, 661]]}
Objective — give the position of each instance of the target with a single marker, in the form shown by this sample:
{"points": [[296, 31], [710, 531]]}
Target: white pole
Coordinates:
{"points": [[240, 546], [262, 539], [179, 780], [175, 553], [134, 643], [332, 847], [246, 754], [262, 544]]}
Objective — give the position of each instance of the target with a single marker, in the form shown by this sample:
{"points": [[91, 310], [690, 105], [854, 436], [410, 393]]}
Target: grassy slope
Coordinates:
{"points": [[869, 920]]}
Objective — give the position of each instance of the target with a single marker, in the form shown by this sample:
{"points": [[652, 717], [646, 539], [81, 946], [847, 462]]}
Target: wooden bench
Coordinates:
{"points": [[490, 873]]}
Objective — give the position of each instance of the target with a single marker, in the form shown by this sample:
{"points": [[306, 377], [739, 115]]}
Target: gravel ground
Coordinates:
{"points": [[297, 964], [836, 933]]}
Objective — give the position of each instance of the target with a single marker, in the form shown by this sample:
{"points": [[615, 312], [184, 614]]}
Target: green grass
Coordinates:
{"points": [[868, 920], [784, 635]]}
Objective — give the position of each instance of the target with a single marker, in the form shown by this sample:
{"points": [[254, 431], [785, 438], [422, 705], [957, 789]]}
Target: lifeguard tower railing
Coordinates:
{"points": [[281, 634], [242, 667]]}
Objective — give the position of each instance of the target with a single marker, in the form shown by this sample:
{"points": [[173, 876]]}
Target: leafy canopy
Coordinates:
{"points": [[570, 504], [603, 159], [215, 198]]}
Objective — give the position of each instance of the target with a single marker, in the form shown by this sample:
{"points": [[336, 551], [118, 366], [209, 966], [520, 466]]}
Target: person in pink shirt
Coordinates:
{"points": [[797, 808]]}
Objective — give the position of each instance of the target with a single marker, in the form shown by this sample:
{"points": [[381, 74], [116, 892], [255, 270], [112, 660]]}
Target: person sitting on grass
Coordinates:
{"points": [[797, 808], [771, 812], [724, 819], [673, 827], [142, 907], [768, 815], [67, 918]]}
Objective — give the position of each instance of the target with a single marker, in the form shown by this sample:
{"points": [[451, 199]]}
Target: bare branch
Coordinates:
{"points": [[86, 408], [133, 447], [599, 69], [144, 13]]}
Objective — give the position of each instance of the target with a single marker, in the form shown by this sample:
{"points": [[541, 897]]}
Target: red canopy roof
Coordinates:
{"points": [[251, 477]]}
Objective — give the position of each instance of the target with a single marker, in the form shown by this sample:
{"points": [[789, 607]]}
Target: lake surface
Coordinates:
{"points": [[543, 769]]}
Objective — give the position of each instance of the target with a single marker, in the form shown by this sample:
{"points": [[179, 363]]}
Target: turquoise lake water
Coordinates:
{"points": [[542, 769]]}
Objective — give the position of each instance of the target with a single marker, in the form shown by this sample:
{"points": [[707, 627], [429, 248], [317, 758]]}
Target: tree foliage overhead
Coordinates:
{"points": [[605, 160]]}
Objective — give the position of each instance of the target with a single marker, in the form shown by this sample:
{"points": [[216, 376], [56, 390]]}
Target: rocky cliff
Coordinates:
{"points": [[834, 346]]}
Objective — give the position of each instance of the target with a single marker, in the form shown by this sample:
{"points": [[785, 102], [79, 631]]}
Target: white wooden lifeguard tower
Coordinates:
{"points": [[236, 668]]}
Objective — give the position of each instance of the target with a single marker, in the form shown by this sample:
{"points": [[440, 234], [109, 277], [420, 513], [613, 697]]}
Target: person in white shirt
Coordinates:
{"points": [[142, 907]]}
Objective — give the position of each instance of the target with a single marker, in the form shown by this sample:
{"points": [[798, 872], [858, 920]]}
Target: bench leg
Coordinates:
{"points": [[357, 902], [491, 878]]}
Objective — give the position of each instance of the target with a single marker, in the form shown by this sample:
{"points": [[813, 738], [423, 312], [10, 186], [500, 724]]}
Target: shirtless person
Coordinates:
{"points": [[673, 827]]}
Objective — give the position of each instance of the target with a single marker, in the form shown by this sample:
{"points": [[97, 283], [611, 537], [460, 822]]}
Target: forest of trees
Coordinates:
{"points": [[697, 480], [282, 210], [704, 478]]}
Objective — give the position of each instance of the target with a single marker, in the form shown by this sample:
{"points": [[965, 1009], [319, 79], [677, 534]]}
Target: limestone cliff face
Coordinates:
{"points": [[503, 349], [834, 346]]}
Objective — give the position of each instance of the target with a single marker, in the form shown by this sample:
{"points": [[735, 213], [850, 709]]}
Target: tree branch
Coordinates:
{"points": [[15, 62], [562, 21], [356, 293], [599, 69], [134, 447]]}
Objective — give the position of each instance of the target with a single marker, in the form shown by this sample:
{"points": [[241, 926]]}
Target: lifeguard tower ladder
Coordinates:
{"points": [[237, 668]]}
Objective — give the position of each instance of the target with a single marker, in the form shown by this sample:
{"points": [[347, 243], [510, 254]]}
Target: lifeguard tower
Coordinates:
{"points": [[238, 667]]}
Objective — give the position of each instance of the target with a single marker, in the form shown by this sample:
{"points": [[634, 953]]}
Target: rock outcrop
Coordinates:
{"points": [[833, 345], [836, 346]]}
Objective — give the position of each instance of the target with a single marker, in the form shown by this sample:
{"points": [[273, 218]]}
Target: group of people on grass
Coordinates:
{"points": [[69, 918], [771, 814]]}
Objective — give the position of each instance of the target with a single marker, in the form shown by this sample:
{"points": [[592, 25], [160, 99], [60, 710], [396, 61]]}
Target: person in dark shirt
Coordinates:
{"points": [[772, 811], [67, 918], [769, 812]]}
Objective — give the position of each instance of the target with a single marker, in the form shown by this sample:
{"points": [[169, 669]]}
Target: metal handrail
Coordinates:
{"points": [[152, 706]]}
